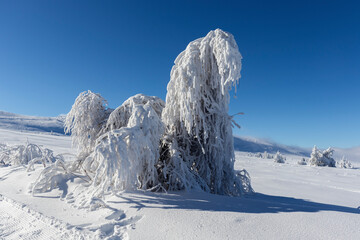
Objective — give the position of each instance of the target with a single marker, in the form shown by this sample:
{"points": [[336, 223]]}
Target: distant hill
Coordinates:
{"points": [[352, 154], [31, 123], [19, 122], [255, 145]]}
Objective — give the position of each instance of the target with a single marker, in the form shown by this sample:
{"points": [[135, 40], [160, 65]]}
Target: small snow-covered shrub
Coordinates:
{"points": [[302, 161], [258, 155], [28, 154], [323, 158], [344, 163], [279, 158], [53, 176]]}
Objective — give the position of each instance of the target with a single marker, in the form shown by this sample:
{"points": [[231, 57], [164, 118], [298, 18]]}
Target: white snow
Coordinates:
{"points": [[291, 202]]}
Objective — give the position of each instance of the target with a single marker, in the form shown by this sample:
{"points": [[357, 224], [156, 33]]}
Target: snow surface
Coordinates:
{"points": [[291, 202]]}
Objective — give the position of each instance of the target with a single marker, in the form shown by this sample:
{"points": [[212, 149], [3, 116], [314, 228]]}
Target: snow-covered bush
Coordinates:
{"points": [[145, 144], [28, 154], [258, 155], [344, 163], [302, 161], [318, 158], [53, 176], [279, 158], [199, 137], [126, 158], [85, 120]]}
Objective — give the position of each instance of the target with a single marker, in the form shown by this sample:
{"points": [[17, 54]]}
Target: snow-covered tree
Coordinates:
{"points": [[318, 158], [279, 158], [199, 140], [344, 163], [85, 120]]}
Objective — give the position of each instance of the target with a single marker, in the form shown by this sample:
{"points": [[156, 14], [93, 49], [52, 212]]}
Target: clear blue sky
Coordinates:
{"points": [[301, 59]]}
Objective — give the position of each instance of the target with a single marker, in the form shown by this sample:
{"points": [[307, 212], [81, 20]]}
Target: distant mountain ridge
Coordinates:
{"points": [[12, 121], [255, 145], [19, 122]]}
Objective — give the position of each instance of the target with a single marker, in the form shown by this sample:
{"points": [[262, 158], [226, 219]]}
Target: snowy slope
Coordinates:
{"points": [[255, 145], [11, 121], [31, 123], [291, 202]]}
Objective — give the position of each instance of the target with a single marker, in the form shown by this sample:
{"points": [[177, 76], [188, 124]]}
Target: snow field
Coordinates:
{"points": [[291, 202]]}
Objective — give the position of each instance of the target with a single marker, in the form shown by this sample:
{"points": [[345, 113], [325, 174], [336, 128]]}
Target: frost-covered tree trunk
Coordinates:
{"points": [[199, 130]]}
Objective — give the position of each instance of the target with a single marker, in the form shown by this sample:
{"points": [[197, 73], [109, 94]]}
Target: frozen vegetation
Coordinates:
{"points": [[322, 158], [183, 144], [287, 195], [344, 163], [28, 154], [173, 162], [279, 158]]}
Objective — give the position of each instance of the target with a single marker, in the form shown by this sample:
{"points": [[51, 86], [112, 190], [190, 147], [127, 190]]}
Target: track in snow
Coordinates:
{"points": [[17, 221]]}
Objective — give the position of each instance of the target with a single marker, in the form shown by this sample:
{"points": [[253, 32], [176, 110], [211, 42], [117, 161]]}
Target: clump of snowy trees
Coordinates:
{"points": [[185, 143], [322, 158]]}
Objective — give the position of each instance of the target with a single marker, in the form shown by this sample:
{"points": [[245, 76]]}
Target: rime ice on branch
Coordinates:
{"points": [[198, 127]]}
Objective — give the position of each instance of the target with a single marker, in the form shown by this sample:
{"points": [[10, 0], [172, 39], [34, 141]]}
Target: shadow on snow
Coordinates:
{"points": [[255, 203]]}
